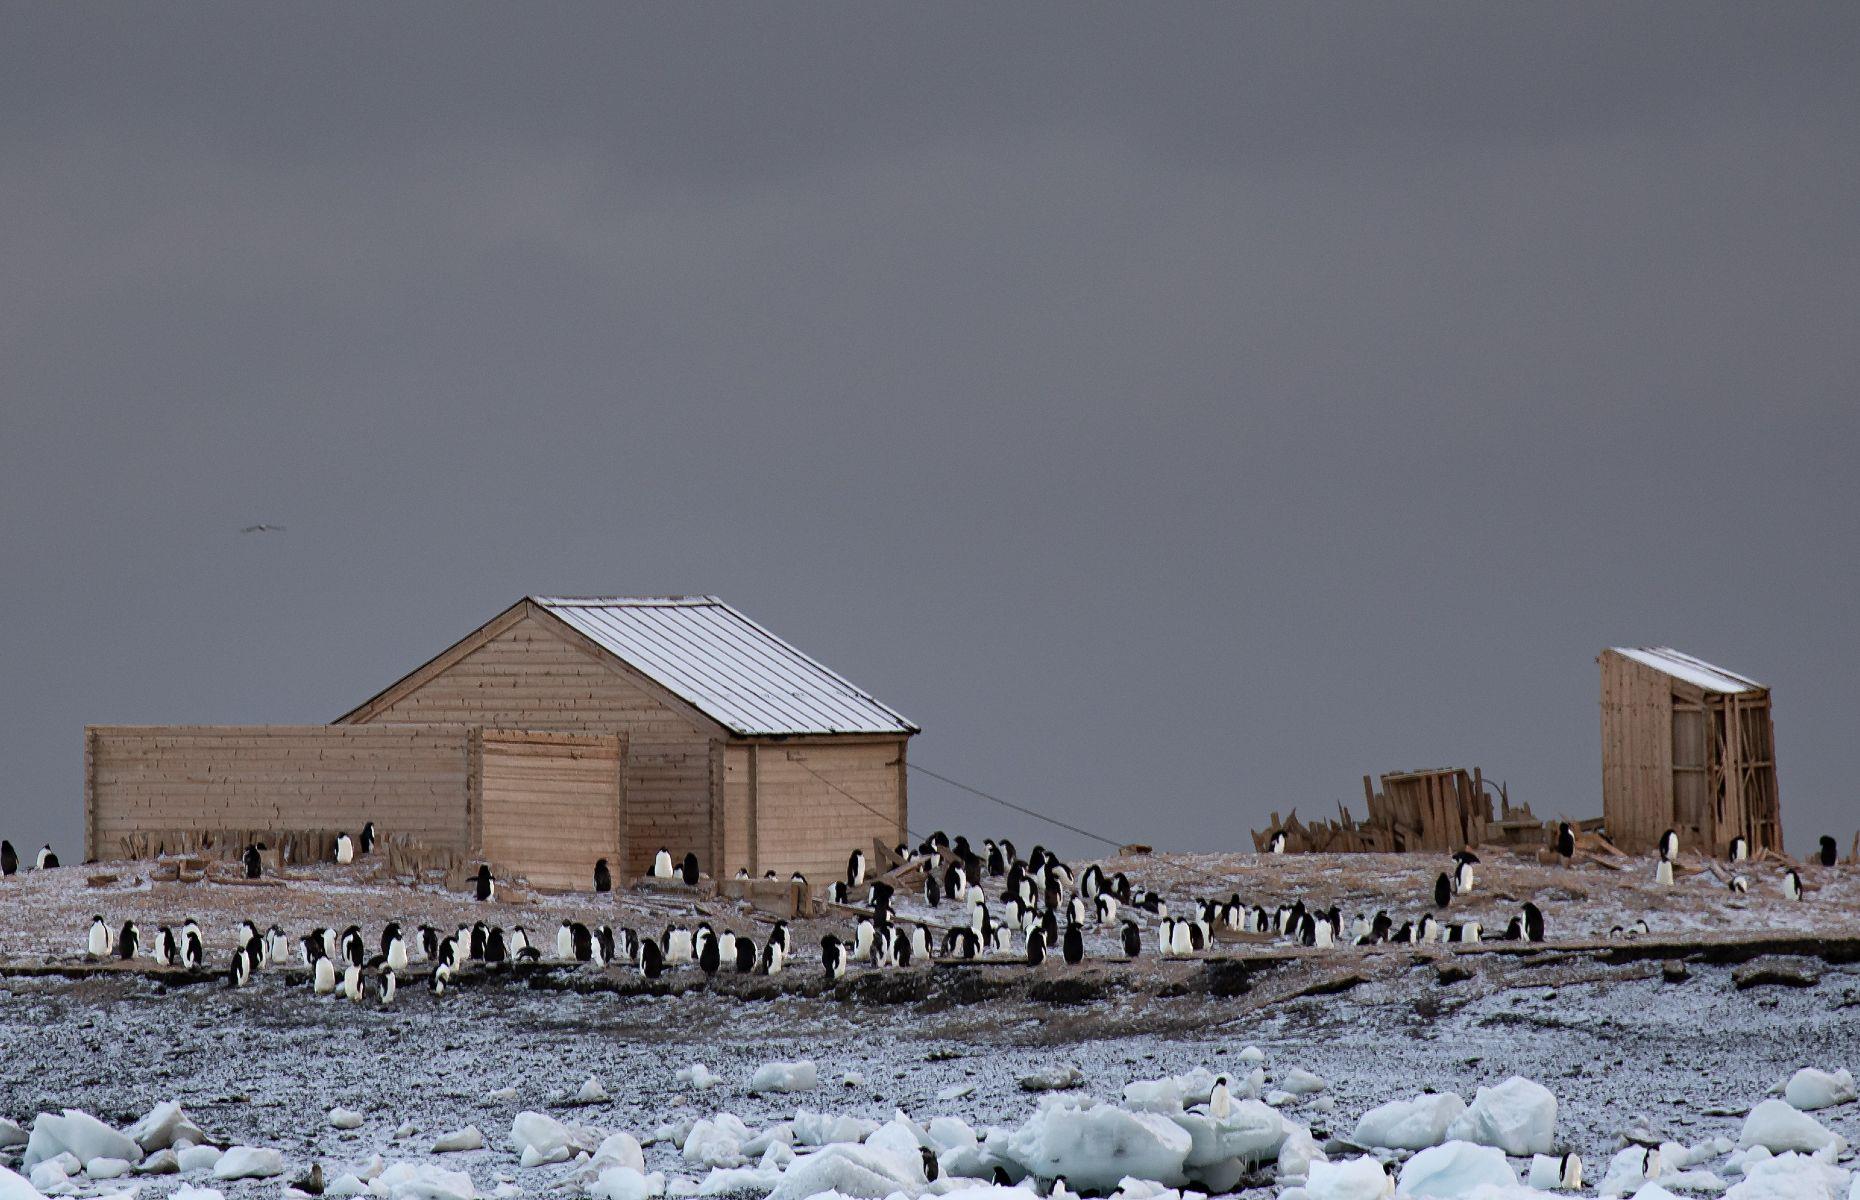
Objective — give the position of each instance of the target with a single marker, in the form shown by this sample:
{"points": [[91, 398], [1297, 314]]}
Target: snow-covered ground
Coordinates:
{"points": [[1618, 1043]]}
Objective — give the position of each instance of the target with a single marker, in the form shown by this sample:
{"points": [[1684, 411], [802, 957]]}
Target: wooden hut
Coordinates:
{"points": [[1686, 746], [739, 747]]}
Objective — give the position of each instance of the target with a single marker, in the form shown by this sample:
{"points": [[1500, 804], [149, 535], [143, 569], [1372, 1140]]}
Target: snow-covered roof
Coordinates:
{"points": [[1693, 670], [725, 665]]}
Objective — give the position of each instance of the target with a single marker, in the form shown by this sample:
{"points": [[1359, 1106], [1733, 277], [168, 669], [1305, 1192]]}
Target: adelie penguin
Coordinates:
{"points": [[253, 863], [833, 956], [1533, 922], [368, 838], [1792, 885], [345, 849], [9, 859], [1443, 891], [47, 860], [1072, 949], [651, 959], [1669, 844], [1829, 853], [689, 870], [1738, 885], [241, 972], [1277, 844], [1740, 849], [662, 864], [855, 869], [1036, 948], [128, 941], [745, 955], [710, 957], [1566, 840], [1663, 872], [486, 889], [603, 878]]}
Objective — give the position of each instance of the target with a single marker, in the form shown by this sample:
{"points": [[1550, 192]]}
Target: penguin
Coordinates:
{"points": [[1184, 939], [579, 941], [855, 869], [997, 861], [354, 949], [837, 892], [9, 859], [1792, 885], [662, 864], [352, 989], [1566, 840], [1663, 872], [919, 944], [933, 891], [863, 935], [833, 956], [429, 942], [1739, 885], [783, 937], [1277, 844], [603, 878], [773, 958], [474, 940], [799, 878], [1462, 879], [368, 837], [1036, 948], [345, 849], [193, 950], [1429, 930], [1669, 844], [442, 975], [1740, 849], [277, 946], [605, 950], [312, 1183], [241, 972], [745, 955], [486, 889], [1220, 1099], [1073, 948], [1533, 922], [386, 982], [689, 872], [1829, 854], [742, 872], [323, 975], [677, 946], [253, 863], [651, 959], [1569, 1172], [97, 946], [396, 950], [710, 957], [47, 860], [496, 947], [1443, 891]]}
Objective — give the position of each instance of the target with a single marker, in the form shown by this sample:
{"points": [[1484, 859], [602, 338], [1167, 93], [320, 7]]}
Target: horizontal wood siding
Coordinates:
{"points": [[815, 802], [528, 675], [736, 848], [409, 780], [551, 805]]}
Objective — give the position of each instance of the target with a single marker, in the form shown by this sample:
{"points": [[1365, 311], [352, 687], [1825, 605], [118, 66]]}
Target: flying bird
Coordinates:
{"points": [[263, 529]]}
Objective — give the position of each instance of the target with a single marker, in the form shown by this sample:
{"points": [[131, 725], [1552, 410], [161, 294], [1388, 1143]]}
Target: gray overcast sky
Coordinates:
{"points": [[1179, 410]]}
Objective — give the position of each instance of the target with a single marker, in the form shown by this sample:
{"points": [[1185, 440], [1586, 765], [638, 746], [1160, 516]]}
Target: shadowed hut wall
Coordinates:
{"points": [[552, 804], [814, 802], [1637, 752], [525, 673], [410, 780]]}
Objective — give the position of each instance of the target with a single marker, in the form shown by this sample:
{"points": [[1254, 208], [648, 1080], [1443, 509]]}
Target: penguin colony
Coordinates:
{"points": [[1036, 909]]}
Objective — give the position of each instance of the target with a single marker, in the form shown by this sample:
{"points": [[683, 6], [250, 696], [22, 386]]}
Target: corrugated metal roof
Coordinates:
{"points": [[1692, 670], [725, 665]]}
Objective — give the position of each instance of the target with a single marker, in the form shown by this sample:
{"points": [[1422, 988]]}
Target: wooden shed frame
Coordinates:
{"points": [[1686, 746]]}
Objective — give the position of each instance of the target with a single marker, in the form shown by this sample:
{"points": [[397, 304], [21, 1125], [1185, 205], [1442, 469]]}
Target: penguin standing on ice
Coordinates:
{"points": [[368, 837], [47, 860], [1463, 875], [441, 976], [253, 863], [9, 859], [1073, 948], [1220, 1099], [651, 959], [1739, 885], [855, 869], [1669, 844], [662, 864], [745, 955], [241, 972], [193, 949], [128, 941], [1663, 872], [1277, 844], [386, 983], [603, 878], [97, 946], [1443, 891], [1566, 840], [1792, 885], [1740, 849], [689, 871], [933, 891], [1036, 947], [352, 989], [1829, 853], [345, 850], [773, 958], [323, 975], [833, 956], [710, 957], [487, 887], [1533, 922], [395, 951]]}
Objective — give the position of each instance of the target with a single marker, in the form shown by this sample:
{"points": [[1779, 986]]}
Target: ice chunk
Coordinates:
{"points": [[248, 1162], [1517, 1116], [188, 1191], [955, 1091], [468, 1138], [1298, 1152], [162, 1162], [1546, 1172], [1409, 1124], [951, 1133], [1628, 1169], [821, 1129], [698, 1076], [851, 1171], [716, 1142], [164, 1125], [15, 1187], [1300, 1082], [53, 1177], [11, 1135], [1094, 1145], [539, 1138], [591, 1092], [620, 1150], [1170, 1094], [1454, 1169], [739, 1181], [1252, 1132], [197, 1158], [422, 1181], [785, 1077], [627, 1183], [347, 1184], [1790, 1177], [344, 1118], [1351, 1179], [106, 1168], [1810, 1089], [1776, 1126], [83, 1135]]}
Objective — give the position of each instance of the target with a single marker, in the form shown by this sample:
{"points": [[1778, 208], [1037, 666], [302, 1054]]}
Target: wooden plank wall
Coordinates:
{"points": [[806, 816], [737, 768], [150, 780], [529, 676], [1637, 752], [553, 804]]}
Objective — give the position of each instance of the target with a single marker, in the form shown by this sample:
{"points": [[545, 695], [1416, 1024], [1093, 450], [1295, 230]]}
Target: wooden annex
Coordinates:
{"points": [[1686, 746], [559, 732], [1439, 810]]}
